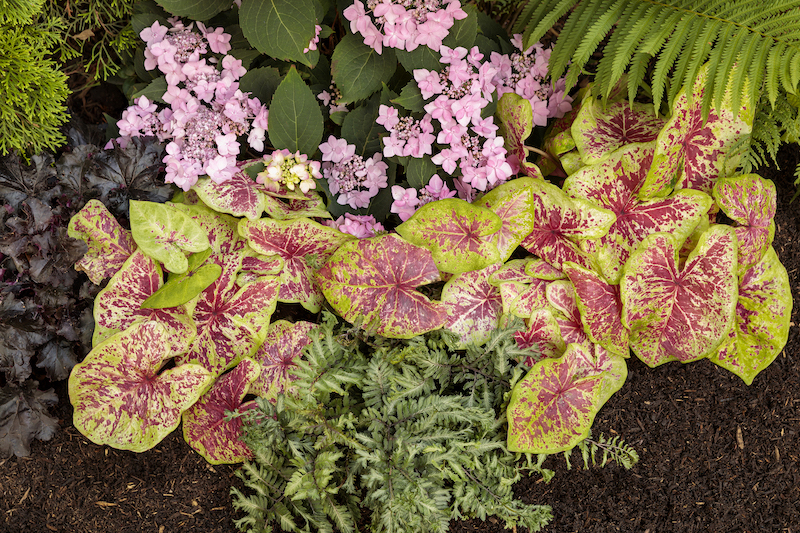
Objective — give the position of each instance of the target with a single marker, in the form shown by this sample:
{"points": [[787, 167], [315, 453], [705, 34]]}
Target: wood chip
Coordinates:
{"points": [[739, 438], [104, 504]]}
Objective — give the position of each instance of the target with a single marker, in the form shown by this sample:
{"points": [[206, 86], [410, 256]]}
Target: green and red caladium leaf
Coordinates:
{"points": [[513, 203], [222, 230], [110, 245], [277, 356], [458, 234], [516, 123], [475, 305], [182, 288], [750, 201], [598, 132], [297, 242], [561, 222], [613, 184], [522, 284], [166, 233], [205, 425], [553, 407], [123, 399], [692, 153], [561, 295], [513, 271], [600, 307], [238, 196], [763, 314], [544, 332], [231, 322], [311, 206], [680, 315], [119, 304], [373, 282]]}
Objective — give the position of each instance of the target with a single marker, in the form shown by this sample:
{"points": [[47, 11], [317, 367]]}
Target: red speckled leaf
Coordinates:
{"points": [[110, 245], [513, 203], [763, 314], [119, 395], [561, 222], [693, 151], [303, 245], [680, 315], [600, 308], [750, 201], [515, 125], [614, 184], [541, 269], [561, 295], [513, 271], [238, 196], [373, 282], [544, 332], [204, 426], [283, 344], [553, 407], [475, 305], [598, 132], [119, 305], [311, 206], [222, 230], [459, 235]]}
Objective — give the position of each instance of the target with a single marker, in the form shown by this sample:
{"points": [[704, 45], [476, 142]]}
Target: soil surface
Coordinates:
{"points": [[716, 455]]}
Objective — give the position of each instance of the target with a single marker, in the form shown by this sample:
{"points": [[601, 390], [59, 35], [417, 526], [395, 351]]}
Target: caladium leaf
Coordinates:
{"points": [[598, 132], [553, 407], [303, 245], [458, 234], [222, 230], [613, 184], [513, 203], [310, 206], [600, 308], [283, 344], [522, 299], [561, 295], [513, 271], [544, 332], [680, 315], [110, 244], [750, 201], [181, 288], [120, 396], [561, 222], [516, 123], [692, 152], [165, 233], [120, 304], [373, 282], [205, 425], [238, 196], [763, 314], [475, 304], [541, 269]]}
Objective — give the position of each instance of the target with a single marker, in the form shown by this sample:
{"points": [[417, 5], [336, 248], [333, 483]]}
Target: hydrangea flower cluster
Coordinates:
{"points": [[331, 99], [525, 73], [406, 201], [404, 24], [207, 112], [361, 226], [354, 179], [289, 170]]}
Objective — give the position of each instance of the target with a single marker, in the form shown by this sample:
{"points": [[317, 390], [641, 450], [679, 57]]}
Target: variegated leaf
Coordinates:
{"points": [[373, 282], [458, 234], [283, 344], [544, 332], [109, 244], [513, 271], [561, 295], [516, 123], [513, 203], [475, 305], [680, 315], [553, 407], [238, 196], [123, 399], [311, 206], [763, 314]]}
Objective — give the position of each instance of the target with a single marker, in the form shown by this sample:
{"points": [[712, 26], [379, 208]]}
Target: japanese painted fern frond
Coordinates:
{"points": [[750, 46]]}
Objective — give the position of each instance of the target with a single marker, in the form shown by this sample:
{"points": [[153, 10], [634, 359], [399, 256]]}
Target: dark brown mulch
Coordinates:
{"points": [[716, 456]]}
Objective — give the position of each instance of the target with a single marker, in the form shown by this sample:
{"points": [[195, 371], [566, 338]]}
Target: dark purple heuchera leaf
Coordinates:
{"points": [[123, 399], [238, 196], [17, 347], [284, 344], [475, 305], [119, 305], [513, 203], [694, 151], [543, 331], [613, 184], [458, 234], [303, 245], [553, 407], [680, 315], [763, 314], [110, 245], [600, 308], [750, 201], [205, 427], [561, 295], [561, 222], [598, 132], [373, 282], [23, 417]]}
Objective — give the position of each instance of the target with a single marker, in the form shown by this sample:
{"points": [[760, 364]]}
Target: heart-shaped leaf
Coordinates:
{"points": [[119, 395], [515, 117], [561, 295], [181, 288], [513, 203], [475, 305], [458, 234], [544, 333], [238, 196], [110, 245], [763, 314], [680, 315], [283, 344], [373, 282], [553, 407]]}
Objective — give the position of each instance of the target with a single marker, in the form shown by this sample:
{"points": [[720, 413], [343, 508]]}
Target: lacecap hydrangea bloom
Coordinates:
{"points": [[285, 169], [351, 178], [361, 226], [407, 201]]}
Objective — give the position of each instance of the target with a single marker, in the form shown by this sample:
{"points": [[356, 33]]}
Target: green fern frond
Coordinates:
{"points": [[748, 45]]}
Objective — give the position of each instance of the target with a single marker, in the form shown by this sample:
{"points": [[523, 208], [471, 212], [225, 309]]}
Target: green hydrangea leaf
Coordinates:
{"points": [[295, 119], [358, 69], [279, 28]]}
